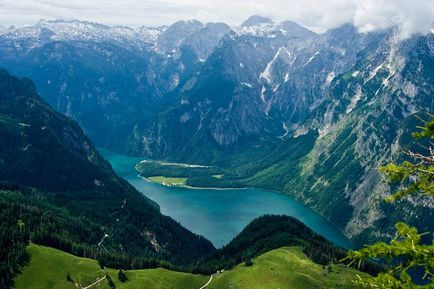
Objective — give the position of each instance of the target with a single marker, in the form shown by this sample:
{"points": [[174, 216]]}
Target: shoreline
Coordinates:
{"points": [[185, 165], [351, 245], [194, 188], [246, 188], [184, 186]]}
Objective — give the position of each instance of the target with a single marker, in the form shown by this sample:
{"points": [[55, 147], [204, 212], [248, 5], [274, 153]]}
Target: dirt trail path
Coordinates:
{"points": [[93, 284], [209, 281]]}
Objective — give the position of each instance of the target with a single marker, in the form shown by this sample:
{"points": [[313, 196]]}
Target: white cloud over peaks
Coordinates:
{"points": [[411, 16]]}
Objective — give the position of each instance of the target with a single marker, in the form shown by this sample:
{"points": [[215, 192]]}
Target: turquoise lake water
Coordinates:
{"points": [[219, 215]]}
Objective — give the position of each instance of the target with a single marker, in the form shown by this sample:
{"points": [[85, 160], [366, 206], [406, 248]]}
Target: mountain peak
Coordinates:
{"points": [[295, 30], [70, 22], [256, 20], [183, 23]]}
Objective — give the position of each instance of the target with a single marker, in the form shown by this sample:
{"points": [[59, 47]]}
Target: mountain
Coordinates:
{"points": [[74, 30], [63, 194], [267, 233], [79, 66], [53, 150], [270, 232], [365, 122], [256, 20], [274, 105], [176, 33]]}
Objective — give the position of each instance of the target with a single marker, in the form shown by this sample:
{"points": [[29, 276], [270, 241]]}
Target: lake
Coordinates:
{"points": [[219, 215]]}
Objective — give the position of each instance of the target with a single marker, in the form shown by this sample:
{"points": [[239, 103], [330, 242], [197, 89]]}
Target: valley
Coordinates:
{"points": [[273, 105], [220, 215], [263, 153]]}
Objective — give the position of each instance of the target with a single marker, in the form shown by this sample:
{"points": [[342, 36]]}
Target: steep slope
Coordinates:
{"points": [[363, 121], [44, 149], [55, 183], [220, 112]]}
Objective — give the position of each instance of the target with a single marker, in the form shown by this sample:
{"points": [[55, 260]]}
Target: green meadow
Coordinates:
{"points": [[282, 268]]}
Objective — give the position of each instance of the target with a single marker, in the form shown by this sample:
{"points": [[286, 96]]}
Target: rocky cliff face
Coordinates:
{"points": [[318, 112], [362, 121], [371, 109]]}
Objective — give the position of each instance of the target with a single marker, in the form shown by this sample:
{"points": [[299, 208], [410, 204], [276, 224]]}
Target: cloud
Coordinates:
{"points": [[411, 17]]}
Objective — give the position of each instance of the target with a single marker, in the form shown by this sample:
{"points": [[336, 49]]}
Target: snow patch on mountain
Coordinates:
{"points": [[263, 94], [60, 30], [266, 74], [259, 30], [374, 72], [330, 77], [285, 129], [312, 58], [354, 100]]}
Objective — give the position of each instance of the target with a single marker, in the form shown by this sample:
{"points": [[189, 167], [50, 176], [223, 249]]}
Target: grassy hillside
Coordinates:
{"points": [[49, 267], [286, 267]]}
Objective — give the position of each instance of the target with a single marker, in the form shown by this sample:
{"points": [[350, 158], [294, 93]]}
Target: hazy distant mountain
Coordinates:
{"points": [[256, 20]]}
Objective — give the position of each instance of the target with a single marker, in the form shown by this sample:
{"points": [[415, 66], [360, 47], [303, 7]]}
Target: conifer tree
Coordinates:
{"points": [[405, 253]]}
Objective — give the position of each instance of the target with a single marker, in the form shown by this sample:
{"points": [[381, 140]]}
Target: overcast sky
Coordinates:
{"points": [[413, 16]]}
